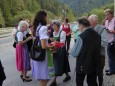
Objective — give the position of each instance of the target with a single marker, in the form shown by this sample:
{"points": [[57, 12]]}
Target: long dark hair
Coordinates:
{"points": [[66, 19], [39, 19]]}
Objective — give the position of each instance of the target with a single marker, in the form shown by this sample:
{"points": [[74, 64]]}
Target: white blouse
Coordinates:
{"points": [[62, 36], [42, 32], [20, 36]]}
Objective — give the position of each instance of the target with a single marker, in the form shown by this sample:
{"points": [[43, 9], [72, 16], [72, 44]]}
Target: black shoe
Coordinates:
{"points": [[22, 76], [67, 79], [110, 73], [26, 80], [106, 70], [53, 84]]}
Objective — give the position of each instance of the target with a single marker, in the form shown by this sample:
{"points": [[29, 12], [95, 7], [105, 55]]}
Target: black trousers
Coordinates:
{"points": [[1, 82], [91, 79], [100, 79], [100, 69], [68, 39]]}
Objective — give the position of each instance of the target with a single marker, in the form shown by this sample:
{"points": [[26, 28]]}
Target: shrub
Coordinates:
{"points": [[1, 20], [23, 14], [99, 13]]}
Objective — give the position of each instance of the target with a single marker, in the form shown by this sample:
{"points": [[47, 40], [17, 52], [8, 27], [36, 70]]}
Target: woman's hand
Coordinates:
{"points": [[29, 38]]}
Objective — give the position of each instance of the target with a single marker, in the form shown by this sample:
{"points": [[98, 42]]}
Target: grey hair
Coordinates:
{"points": [[94, 17], [23, 23], [57, 23]]}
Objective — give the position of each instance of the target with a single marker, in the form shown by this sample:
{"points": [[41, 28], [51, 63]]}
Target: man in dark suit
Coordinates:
{"points": [[87, 50], [2, 74]]}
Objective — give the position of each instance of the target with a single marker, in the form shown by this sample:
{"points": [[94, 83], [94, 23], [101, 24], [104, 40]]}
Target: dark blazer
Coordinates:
{"points": [[89, 60], [2, 74]]}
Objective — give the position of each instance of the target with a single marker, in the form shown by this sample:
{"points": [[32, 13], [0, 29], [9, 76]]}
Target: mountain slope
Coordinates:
{"points": [[81, 6]]}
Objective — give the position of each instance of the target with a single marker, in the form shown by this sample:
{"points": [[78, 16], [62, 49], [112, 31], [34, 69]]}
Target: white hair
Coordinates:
{"points": [[22, 23], [93, 17]]}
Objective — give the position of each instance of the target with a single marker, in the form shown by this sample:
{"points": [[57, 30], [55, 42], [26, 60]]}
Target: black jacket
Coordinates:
{"points": [[2, 74], [88, 60]]}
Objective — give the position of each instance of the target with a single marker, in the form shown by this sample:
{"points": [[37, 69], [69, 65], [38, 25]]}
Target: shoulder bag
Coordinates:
{"points": [[36, 52]]}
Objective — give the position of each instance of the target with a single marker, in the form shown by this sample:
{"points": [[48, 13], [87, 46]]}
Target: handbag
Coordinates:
{"points": [[14, 44], [36, 52], [15, 41]]}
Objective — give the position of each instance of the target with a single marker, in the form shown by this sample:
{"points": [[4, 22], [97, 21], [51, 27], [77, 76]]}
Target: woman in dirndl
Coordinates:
{"points": [[40, 69], [60, 59], [22, 54]]}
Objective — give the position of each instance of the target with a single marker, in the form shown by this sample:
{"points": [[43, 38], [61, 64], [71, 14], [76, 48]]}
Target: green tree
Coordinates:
{"points": [[35, 6], [1, 19], [5, 8], [16, 6], [99, 13], [70, 13], [22, 14], [31, 5], [51, 16]]}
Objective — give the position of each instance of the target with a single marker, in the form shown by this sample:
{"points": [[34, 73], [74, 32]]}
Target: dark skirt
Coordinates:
{"points": [[61, 63]]}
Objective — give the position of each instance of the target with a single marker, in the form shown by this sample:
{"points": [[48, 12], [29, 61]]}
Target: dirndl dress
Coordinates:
{"points": [[60, 59], [22, 57], [61, 62], [40, 69]]}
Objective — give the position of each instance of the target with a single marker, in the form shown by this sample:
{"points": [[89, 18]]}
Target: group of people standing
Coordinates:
{"points": [[87, 49], [40, 70]]}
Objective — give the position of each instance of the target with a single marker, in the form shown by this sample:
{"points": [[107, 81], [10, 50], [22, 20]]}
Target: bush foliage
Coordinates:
{"points": [[100, 12], [12, 10], [1, 19]]}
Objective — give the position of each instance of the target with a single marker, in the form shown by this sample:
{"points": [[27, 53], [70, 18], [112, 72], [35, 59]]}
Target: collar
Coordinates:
{"points": [[85, 29]]}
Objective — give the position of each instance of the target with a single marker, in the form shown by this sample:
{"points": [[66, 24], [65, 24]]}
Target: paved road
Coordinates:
{"points": [[7, 55], [5, 40]]}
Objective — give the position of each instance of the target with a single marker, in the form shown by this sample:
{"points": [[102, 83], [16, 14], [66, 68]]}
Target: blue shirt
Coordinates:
{"points": [[76, 47], [100, 29]]}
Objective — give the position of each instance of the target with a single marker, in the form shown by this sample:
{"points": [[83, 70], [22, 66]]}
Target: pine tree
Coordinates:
{"points": [[17, 6], [5, 9], [1, 19]]}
